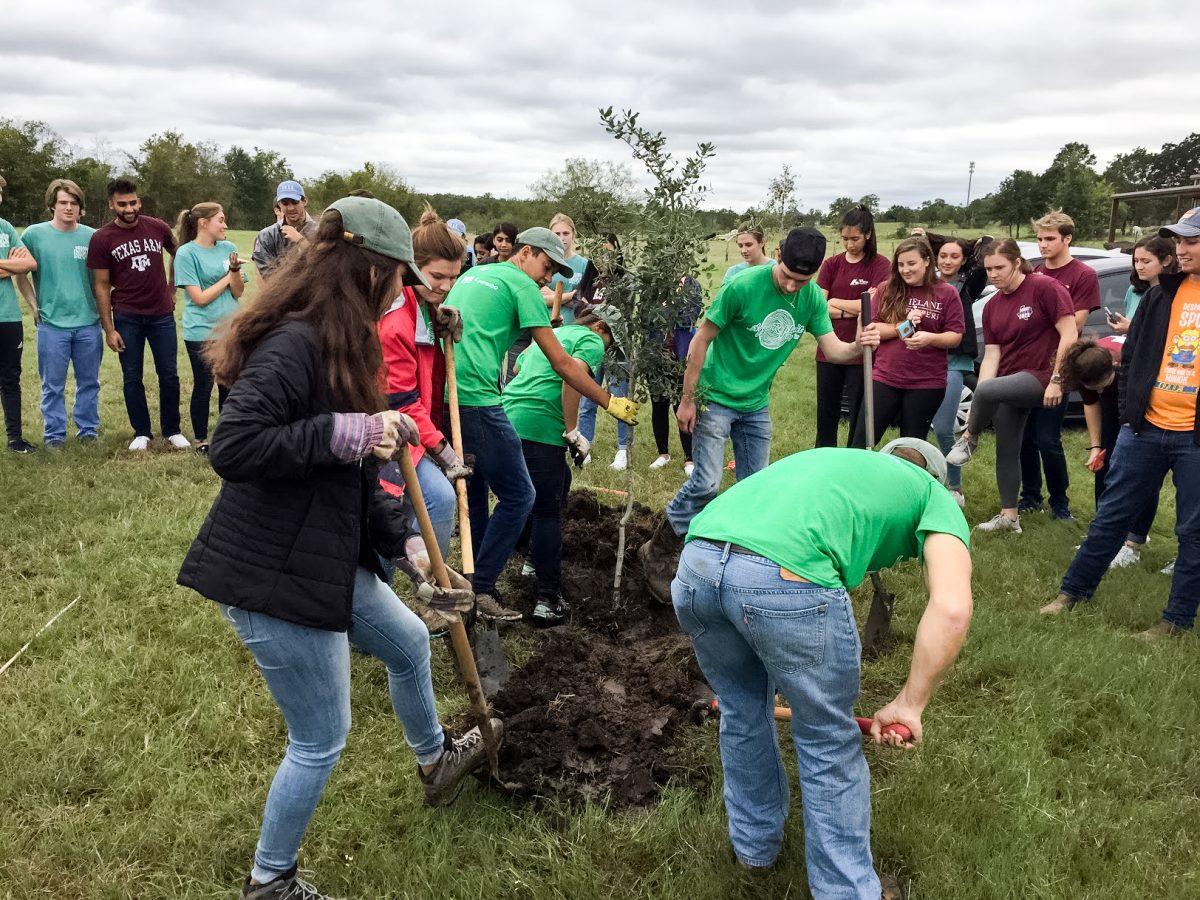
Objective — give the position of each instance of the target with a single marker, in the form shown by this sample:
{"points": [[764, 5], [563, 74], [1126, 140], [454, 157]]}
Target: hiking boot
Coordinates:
{"points": [[1000, 522], [889, 886], [962, 451], [1060, 604], [1159, 631], [460, 757], [660, 558], [286, 887], [1127, 556], [1029, 506], [492, 609], [20, 445], [551, 611], [527, 570], [1061, 513]]}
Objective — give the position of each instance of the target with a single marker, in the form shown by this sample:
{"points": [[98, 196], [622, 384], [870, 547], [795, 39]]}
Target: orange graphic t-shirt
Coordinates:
{"points": [[1173, 398]]}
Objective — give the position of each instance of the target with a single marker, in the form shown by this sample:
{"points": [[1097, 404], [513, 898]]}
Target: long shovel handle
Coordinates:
{"points": [[556, 309], [784, 713], [868, 387], [460, 485], [458, 632]]}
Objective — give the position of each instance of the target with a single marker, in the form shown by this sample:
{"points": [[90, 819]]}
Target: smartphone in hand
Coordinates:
{"points": [[906, 329]]}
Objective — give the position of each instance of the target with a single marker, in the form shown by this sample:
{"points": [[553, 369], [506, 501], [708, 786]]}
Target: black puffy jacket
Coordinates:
{"points": [[291, 522]]}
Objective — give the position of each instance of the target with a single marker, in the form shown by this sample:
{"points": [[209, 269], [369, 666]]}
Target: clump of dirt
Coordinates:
{"points": [[602, 706]]}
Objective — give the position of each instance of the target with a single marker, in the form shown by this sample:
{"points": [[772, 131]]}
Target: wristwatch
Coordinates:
{"points": [[1056, 379]]}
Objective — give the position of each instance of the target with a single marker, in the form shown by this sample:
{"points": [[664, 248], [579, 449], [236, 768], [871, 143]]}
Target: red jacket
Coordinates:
{"points": [[413, 377]]}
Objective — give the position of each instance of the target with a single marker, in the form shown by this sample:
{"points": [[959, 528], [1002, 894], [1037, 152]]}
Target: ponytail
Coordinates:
{"points": [[861, 218], [188, 222]]}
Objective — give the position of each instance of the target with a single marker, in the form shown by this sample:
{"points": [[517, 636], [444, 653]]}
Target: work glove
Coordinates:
{"points": [[624, 409], [448, 322], [448, 604], [449, 462], [579, 446]]}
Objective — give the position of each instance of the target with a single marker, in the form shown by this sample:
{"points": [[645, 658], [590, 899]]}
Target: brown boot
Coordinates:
{"points": [[660, 558], [1061, 604], [1159, 631]]}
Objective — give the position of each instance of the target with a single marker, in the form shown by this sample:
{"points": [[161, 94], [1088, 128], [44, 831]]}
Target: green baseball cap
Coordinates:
{"points": [[551, 244], [374, 225]]}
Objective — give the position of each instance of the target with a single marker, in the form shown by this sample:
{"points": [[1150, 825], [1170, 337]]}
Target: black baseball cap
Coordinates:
{"points": [[803, 250]]}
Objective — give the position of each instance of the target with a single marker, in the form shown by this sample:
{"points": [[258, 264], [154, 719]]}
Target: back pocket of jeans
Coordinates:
{"points": [[787, 641]]}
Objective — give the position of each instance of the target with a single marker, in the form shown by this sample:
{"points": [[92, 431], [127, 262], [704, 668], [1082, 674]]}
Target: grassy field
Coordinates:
{"points": [[139, 740]]}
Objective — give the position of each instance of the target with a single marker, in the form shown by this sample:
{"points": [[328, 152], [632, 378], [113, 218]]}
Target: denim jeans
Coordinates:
{"points": [[82, 349], [308, 673], [618, 387], [202, 385], [1042, 448], [943, 423], [440, 500], [754, 634], [551, 477], [1140, 463], [159, 332], [500, 468], [751, 435]]}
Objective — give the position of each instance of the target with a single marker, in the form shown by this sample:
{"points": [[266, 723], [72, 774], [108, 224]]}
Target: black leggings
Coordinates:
{"points": [[912, 408], [551, 477], [12, 338], [202, 385], [833, 382], [660, 413]]}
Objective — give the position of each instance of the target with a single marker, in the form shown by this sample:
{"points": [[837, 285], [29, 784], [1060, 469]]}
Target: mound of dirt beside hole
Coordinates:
{"points": [[601, 708]]}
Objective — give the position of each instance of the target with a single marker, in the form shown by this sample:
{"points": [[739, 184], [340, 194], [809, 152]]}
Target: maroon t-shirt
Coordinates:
{"points": [[843, 280], [1081, 283], [134, 259], [1114, 344], [1022, 323], [897, 366]]}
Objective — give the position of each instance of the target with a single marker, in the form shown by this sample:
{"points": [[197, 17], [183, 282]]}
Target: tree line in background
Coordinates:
{"points": [[173, 172]]}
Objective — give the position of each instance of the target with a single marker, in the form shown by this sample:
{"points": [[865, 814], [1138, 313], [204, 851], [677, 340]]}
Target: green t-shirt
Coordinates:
{"points": [[578, 265], [759, 328], [738, 268], [496, 302], [533, 400], [203, 267], [832, 515], [64, 287], [10, 310]]}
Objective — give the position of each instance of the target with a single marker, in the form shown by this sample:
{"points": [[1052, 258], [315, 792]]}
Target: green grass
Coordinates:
{"points": [[139, 740]]}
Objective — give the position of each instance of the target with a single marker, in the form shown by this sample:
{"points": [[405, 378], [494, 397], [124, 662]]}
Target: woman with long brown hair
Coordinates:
{"points": [[289, 548]]}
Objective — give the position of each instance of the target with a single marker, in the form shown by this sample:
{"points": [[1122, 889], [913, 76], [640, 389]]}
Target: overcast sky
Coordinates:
{"points": [[891, 98]]}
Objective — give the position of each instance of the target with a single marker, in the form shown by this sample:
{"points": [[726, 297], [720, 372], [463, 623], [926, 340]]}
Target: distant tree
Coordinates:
{"points": [[31, 156], [1175, 164], [1075, 187], [174, 174], [782, 209], [253, 178], [871, 202], [1019, 198], [898, 213], [937, 212], [598, 195], [837, 209], [381, 180]]}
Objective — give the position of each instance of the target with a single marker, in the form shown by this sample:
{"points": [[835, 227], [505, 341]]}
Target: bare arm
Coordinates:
{"points": [[102, 288], [26, 288], [990, 364], [564, 367], [844, 309], [1068, 334], [571, 398], [1091, 415], [19, 262], [205, 297], [237, 282], [685, 413], [1081, 317], [839, 351]]}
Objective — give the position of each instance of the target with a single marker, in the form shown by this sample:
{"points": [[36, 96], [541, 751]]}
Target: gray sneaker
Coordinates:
{"points": [[551, 611], [960, 454], [286, 887], [491, 609], [1000, 522], [460, 757], [1168, 569]]}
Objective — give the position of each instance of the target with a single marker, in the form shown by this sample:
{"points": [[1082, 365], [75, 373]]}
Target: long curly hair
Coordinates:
{"points": [[1085, 364], [892, 302]]}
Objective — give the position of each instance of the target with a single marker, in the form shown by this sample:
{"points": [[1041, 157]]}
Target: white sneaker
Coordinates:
{"points": [[141, 442], [1125, 558], [621, 460], [960, 453], [527, 570], [178, 442], [959, 499], [587, 460], [688, 468], [661, 461], [1168, 569], [1000, 522]]}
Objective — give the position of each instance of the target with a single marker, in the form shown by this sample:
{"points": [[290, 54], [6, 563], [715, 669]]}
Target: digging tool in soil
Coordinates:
{"points": [[702, 709], [556, 309], [878, 627]]}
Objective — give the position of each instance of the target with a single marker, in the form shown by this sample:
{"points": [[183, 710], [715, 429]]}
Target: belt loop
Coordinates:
{"points": [[725, 551]]}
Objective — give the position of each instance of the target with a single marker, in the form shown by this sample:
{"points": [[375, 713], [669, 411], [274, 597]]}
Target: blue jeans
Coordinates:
{"points": [[159, 332], [440, 500], [618, 387], [1042, 448], [751, 436], [308, 673], [500, 468], [943, 423], [1140, 463], [754, 634], [81, 348]]}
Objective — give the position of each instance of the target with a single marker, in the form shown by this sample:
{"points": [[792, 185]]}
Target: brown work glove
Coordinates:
{"points": [[447, 603]]}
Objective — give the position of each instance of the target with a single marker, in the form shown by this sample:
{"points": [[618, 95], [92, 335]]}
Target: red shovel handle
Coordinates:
{"points": [[864, 725]]}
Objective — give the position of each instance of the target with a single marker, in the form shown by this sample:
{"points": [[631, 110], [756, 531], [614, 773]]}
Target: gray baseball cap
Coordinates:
{"points": [[614, 319], [935, 463], [551, 244], [1188, 226], [374, 225]]}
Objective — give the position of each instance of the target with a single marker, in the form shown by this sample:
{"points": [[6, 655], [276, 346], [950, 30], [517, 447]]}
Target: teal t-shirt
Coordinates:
{"points": [[533, 399], [10, 309], [578, 264], [203, 267], [759, 326], [737, 269], [1132, 299], [496, 302], [64, 287], [832, 515]]}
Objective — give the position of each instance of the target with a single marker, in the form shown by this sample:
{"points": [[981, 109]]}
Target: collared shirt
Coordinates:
{"points": [[271, 247]]}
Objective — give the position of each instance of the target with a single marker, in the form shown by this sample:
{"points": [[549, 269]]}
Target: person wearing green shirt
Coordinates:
{"points": [[544, 412], [68, 332], [14, 260], [761, 591], [496, 302], [747, 333]]}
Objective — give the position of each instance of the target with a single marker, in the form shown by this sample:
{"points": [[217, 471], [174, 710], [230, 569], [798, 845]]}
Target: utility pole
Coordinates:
{"points": [[970, 178]]}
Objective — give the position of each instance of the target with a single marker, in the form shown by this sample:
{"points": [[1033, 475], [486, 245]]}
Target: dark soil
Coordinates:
{"points": [[601, 709]]}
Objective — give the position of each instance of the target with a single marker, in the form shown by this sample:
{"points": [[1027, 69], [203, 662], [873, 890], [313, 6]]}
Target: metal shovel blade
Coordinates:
{"points": [[879, 620], [489, 658]]}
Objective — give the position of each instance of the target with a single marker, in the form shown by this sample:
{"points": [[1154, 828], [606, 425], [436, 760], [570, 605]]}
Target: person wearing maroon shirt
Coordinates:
{"points": [[918, 319], [843, 278], [136, 303], [1027, 327], [1042, 446]]}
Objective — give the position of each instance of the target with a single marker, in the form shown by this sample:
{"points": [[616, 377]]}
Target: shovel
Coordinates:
{"points": [[556, 309], [702, 709], [879, 620], [489, 652], [458, 631]]}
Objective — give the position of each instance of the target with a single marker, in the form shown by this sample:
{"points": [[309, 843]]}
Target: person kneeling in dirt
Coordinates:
{"points": [[762, 593], [544, 412]]}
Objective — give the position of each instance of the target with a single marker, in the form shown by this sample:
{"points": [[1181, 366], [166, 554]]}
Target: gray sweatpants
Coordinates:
{"points": [[1005, 404]]}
